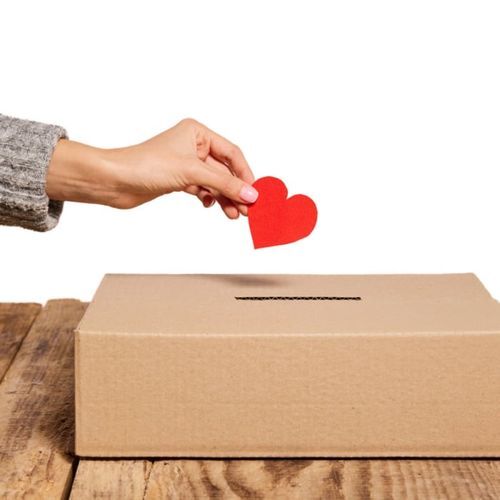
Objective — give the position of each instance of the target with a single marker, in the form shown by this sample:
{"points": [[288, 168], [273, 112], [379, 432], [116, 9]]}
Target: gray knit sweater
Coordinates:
{"points": [[25, 151]]}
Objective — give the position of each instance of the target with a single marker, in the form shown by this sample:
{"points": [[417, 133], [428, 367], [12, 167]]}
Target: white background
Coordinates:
{"points": [[386, 113]]}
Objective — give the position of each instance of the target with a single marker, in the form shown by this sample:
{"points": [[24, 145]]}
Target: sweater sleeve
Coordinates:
{"points": [[25, 151]]}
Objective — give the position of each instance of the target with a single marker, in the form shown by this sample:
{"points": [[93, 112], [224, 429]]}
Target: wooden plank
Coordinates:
{"points": [[290, 479], [235, 479], [15, 321], [36, 407], [124, 479], [429, 479]]}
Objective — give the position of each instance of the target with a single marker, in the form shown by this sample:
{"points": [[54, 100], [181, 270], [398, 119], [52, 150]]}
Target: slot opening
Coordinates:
{"points": [[297, 297]]}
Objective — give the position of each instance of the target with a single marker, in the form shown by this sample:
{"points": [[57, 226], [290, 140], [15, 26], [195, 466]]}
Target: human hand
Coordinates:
{"points": [[188, 157]]}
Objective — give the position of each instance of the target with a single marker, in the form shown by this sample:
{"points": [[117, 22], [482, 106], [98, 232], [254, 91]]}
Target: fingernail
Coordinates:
{"points": [[208, 201], [248, 194]]}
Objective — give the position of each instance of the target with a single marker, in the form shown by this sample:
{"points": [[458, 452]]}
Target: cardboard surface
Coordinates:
{"points": [[289, 365]]}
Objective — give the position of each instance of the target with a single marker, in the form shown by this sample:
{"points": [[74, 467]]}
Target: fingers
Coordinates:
{"points": [[230, 186], [227, 207], [222, 171], [242, 208], [205, 196], [230, 155], [208, 199]]}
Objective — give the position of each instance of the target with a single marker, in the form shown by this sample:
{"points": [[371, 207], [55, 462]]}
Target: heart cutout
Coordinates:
{"points": [[275, 219]]}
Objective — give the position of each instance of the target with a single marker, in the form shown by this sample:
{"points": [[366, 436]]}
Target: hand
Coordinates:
{"points": [[188, 157]]}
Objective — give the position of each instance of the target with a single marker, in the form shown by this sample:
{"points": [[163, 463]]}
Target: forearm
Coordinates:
{"points": [[81, 173]]}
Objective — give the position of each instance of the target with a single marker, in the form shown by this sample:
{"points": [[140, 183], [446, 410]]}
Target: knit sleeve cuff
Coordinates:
{"points": [[26, 148]]}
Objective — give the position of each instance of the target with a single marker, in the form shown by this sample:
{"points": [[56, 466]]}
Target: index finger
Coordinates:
{"points": [[231, 155]]}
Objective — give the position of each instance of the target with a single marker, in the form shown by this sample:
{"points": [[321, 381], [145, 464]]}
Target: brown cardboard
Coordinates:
{"points": [[175, 365]]}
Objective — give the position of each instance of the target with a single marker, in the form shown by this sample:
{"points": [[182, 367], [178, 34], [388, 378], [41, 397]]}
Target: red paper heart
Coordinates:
{"points": [[276, 220]]}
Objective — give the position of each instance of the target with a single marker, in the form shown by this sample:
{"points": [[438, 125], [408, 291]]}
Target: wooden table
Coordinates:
{"points": [[36, 441]]}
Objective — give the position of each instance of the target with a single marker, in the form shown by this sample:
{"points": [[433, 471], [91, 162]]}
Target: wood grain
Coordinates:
{"points": [[15, 321], [288, 479], [36, 407], [234, 479], [120, 479]]}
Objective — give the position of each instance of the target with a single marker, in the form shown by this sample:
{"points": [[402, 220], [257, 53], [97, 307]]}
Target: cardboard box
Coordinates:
{"points": [[289, 365]]}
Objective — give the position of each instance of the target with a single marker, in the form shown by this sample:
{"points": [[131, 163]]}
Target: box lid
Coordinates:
{"points": [[281, 304]]}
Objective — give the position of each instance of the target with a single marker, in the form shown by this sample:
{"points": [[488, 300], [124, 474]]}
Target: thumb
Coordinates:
{"points": [[224, 182]]}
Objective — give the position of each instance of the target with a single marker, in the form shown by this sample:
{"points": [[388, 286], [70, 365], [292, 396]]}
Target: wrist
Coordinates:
{"points": [[82, 173]]}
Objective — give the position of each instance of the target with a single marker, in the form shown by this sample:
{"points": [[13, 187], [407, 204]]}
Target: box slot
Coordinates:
{"points": [[278, 297]]}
